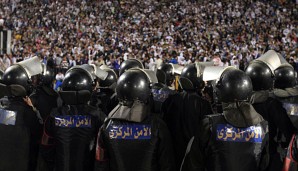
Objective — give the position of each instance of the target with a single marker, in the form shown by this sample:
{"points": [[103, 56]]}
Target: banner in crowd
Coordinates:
{"points": [[5, 39]]}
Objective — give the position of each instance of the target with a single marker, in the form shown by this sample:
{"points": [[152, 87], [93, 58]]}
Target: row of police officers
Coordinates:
{"points": [[197, 117]]}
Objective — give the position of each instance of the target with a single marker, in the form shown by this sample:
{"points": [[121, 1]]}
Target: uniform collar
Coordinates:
{"points": [[243, 115], [135, 113]]}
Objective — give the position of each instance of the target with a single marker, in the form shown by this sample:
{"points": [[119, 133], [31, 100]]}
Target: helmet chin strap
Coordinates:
{"points": [[242, 114]]}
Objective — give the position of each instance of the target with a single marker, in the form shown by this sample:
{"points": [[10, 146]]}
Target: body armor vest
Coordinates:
{"points": [[15, 139], [235, 148], [131, 145], [74, 138]]}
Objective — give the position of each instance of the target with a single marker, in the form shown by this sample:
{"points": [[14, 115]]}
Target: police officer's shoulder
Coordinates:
{"points": [[158, 125], [96, 112], [204, 129], [208, 118]]}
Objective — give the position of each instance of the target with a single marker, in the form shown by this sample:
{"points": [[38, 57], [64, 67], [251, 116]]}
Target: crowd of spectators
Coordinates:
{"points": [[229, 32]]}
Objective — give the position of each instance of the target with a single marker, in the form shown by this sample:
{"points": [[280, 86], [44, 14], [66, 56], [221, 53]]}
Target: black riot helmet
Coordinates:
{"points": [[169, 71], [110, 80], [284, 77], [16, 74], [191, 72], [77, 79], [234, 85], [48, 76], [130, 63], [133, 85], [161, 76], [261, 76], [21, 73]]}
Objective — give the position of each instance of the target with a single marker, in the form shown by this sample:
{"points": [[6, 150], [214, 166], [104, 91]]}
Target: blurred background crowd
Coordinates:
{"points": [[75, 32]]}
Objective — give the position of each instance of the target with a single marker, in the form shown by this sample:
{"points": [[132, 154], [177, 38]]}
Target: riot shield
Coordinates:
{"points": [[214, 72], [93, 70], [177, 69], [272, 59], [32, 66], [201, 66], [150, 74]]}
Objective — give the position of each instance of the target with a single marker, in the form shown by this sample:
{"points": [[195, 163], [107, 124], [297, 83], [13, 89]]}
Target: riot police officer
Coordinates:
{"points": [[166, 85], [72, 127], [286, 91], [168, 69], [236, 139], [20, 130], [130, 63], [171, 71], [184, 111], [160, 92], [133, 138], [209, 76], [105, 97], [261, 72], [45, 98], [193, 72]]}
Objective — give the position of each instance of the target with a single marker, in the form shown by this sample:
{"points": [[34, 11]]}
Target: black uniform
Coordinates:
{"points": [[72, 129], [279, 126], [105, 99], [182, 114], [45, 99], [20, 128], [140, 141], [19, 132], [230, 141], [289, 99]]}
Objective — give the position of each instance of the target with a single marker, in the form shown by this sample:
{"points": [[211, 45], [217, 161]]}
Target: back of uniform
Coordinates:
{"points": [[182, 114], [45, 99], [262, 73], [74, 129], [242, 146], [221, 145], [235, 140], [133, 136], [279, 125], [19, 130], [137, 146]]}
